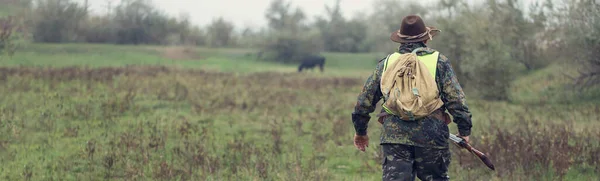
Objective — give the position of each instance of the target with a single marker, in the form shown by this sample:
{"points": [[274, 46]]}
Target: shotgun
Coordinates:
{"points": [[455, 139], [463, 144]]}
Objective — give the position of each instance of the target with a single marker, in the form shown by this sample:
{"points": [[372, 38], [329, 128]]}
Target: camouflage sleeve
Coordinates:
{"points": [[454, 97], [367, 101]]}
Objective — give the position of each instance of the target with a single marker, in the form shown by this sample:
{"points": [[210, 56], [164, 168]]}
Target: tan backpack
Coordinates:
{"points": [[408, 85]]}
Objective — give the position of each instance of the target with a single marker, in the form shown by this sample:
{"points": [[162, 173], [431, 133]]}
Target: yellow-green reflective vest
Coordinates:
{"points": [[430, 60]]}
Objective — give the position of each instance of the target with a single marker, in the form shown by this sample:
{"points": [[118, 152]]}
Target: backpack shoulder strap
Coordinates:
{"points": [[430, 61], [385, 61], [417, 49], [391, 57]]}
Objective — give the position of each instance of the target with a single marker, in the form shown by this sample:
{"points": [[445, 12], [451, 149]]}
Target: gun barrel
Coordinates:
{"points": [[461, 142]]}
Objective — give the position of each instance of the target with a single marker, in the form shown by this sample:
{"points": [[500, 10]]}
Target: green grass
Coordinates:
{"points": [[264, 119], [552, 85], [83, 55], [228, 60]]}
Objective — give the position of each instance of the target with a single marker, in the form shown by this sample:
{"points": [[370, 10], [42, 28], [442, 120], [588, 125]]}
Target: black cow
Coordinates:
{"points": [[310, 61]]}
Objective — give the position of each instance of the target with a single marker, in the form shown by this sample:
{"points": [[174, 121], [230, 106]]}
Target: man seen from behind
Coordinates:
{"points": [[417, 148]]}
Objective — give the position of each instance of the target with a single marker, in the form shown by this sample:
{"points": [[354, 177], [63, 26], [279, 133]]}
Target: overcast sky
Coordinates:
{"points": [[244, 12]]}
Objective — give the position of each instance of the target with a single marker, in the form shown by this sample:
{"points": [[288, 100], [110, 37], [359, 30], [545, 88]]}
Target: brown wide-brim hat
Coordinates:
{"points": [[413, 29]]}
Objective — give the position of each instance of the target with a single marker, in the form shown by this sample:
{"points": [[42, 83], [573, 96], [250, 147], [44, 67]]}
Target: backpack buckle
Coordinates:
{"points": [[415, 91]]}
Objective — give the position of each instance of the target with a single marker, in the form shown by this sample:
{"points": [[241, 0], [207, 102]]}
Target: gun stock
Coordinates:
{"points": [[463, 144]]}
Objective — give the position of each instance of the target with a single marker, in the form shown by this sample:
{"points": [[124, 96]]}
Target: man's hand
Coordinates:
{"points": [[466, 138], [361, 142]]}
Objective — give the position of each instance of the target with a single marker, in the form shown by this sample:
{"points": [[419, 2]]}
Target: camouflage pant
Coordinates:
{"points": [[403, 163]]}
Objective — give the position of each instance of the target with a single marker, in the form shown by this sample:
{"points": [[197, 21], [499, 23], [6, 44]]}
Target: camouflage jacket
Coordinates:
{"points": [[428, 132]]}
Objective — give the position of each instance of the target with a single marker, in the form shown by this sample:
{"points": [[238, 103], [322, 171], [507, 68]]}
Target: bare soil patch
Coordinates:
{"points": [[180, 53]]}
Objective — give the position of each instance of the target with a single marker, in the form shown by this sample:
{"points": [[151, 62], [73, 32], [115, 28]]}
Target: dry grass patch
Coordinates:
{"points": [[180, 53]]}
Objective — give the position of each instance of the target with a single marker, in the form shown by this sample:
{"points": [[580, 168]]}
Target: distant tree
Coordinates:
{"points": [[452, 40], [579, 21], [281, 17], [390, 12], [196, 36], [340, 35], [220, 33], [8, 31], [289, 37], [355, 36], [138, 22], [99, 29], [58, 20], [129, 22], [251, 38], [520, 31], [185, 32], [386, 18], [489, 44]]}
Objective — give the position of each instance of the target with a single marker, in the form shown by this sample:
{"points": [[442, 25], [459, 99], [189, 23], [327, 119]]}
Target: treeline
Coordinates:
{"points": [[130, 22], [491, 43], [488, 43]]}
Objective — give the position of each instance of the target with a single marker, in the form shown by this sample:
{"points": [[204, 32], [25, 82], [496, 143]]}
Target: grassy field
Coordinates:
{"points": [[225, 60], [106, 112]]}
